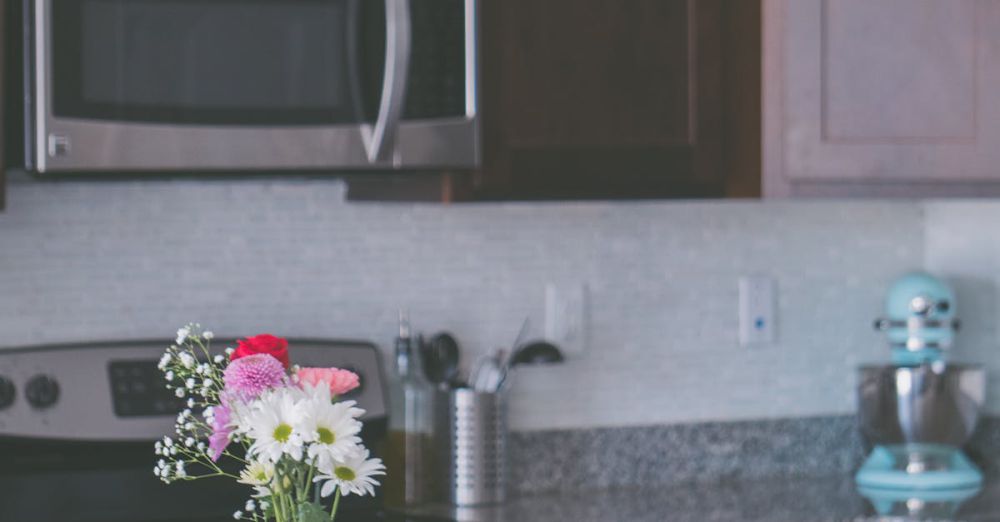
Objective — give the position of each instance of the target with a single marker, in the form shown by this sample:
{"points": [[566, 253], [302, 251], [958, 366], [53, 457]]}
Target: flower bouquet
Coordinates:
{"points": [[283, 426]]}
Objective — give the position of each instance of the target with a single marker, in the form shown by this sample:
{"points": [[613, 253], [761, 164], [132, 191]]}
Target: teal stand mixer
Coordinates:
{"points": [[918, 410]]}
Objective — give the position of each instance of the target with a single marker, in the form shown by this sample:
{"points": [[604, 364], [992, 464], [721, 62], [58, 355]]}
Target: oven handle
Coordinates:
{"points": [[382, 139]]}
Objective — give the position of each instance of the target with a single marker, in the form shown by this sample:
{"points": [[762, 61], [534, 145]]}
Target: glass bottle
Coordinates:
{"points": [[408, 454]]}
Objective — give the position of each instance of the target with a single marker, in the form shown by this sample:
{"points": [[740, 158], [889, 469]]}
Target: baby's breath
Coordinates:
{"points": [[191, 371]]}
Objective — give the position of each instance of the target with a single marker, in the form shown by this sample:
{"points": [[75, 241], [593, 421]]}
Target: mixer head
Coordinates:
{"points": [[920, 320]]}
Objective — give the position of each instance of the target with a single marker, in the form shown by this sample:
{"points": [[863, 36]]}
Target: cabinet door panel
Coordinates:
{"points": [[597, 72], [882, 91], [599, 99], [4, 140], [899, 70]]}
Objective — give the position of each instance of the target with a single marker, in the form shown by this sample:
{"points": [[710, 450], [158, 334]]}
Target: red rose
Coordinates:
{"points": [[264, 343]]}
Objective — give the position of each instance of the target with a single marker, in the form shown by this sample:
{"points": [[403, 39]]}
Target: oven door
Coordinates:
{"points": [[165, 85], [68, 481]]}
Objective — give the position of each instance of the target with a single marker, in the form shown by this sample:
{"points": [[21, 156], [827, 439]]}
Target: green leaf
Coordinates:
{"points": [[310, 512]]}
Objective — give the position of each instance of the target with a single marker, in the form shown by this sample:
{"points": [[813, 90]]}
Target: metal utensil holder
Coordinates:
{"points": [[477, 456]]}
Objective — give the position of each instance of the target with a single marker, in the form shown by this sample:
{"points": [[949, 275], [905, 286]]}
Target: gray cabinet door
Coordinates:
{"points": [[881, 97]]}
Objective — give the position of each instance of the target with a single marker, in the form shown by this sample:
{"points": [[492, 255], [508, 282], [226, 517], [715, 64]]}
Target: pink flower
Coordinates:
{"points": [[339, 381], [219, 440], [248, 377]]}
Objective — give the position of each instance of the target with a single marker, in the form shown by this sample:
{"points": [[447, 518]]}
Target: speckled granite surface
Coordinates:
{"points": [[830, 499], [730, 501], [650, 456], [761, 471]]}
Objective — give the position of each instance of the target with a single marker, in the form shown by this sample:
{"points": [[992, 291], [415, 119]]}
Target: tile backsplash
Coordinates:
{"points": [[963, 245], [123, 259]]}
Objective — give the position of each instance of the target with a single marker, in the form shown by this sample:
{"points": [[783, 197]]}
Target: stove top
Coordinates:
{"points": [[78, 421]]}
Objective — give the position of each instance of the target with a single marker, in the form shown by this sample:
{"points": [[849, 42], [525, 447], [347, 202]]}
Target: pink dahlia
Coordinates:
{"points": [[219, 439], [339, 381], [248, 377]]}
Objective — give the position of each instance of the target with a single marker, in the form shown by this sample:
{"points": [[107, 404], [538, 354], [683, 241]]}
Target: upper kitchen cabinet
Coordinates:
{"points": [[595, 99], [886, 98], [4, 126]]}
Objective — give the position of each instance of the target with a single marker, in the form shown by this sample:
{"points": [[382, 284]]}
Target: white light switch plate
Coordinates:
{"points": [[566, 316], [758, 311]]}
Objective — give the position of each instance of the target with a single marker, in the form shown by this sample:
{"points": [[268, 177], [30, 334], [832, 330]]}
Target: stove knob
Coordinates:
{"points": [[7, 393], [42, 391]]}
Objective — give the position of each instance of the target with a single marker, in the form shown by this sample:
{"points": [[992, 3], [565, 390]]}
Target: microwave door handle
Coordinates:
{"points": [[382, 138]]}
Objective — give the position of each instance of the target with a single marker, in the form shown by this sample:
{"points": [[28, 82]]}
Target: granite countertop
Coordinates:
{"points": [[707, 472], [832, 499]]}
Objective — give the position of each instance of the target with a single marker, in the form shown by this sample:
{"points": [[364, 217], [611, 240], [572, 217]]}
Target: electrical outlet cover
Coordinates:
{"points": [[758, 311], [566, 317]]}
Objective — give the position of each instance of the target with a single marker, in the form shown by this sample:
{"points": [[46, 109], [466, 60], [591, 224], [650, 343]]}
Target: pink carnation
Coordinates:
{"points": [[339, 381], [248, 377], [219, 440]]}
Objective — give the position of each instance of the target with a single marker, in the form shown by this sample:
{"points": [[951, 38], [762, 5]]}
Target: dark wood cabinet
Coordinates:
{"points": [[593, 99], [590, 99], [4, 138]]}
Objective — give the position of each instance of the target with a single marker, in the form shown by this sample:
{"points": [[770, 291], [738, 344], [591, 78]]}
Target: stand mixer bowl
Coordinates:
{"points": [[932, 403]]}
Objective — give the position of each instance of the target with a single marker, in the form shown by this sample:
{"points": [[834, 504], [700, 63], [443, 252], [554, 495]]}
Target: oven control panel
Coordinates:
{"points": [[138, 389], [114, 391]]}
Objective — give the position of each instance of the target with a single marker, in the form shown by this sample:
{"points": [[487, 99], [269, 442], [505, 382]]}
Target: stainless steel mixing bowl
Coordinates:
{"points": [[930, 403]]}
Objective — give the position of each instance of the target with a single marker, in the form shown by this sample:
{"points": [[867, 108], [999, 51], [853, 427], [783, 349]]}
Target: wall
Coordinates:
{"points": [[963, 244], [114, 260]]}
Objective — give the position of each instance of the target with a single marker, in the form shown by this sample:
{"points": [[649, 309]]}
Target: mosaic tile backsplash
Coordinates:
{"points": [[963, 245], [83, 261]]}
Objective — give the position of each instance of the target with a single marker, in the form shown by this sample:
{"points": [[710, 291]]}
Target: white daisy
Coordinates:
{"points": [[271, 422], [259, 475], [352, 475], [331, 429]]}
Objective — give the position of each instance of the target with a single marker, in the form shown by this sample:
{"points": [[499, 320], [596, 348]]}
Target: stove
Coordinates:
{"points": [[78, 422]]}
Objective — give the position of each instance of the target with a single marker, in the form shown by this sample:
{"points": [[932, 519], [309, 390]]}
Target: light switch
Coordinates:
{"points": [[758, 315], [566, 316]]}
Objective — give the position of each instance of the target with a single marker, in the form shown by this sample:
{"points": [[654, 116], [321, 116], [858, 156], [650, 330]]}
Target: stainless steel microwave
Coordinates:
{"points": [[191, 85]]}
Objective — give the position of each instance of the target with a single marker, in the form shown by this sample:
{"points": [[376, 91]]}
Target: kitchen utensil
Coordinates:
{"points": [[920, 318], [477, 461], [521, 334], [488, 372], [920, 404], [920, 409], [441, 356], [538, 352]]}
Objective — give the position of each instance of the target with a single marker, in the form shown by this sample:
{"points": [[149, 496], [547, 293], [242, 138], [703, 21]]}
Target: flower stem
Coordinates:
{"points": [[278, 514], [309, 477], [336, 504], [290, 504]]}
